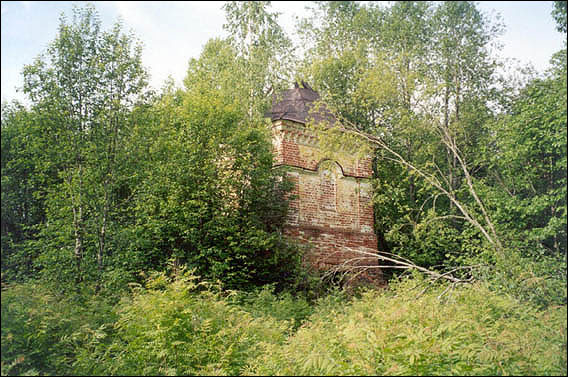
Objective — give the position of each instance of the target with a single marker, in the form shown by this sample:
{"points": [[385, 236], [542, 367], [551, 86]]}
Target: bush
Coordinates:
{"points": [[39, 327], [208, 195], [532, 277], [469, 331], [178, 326], [264, 302]]}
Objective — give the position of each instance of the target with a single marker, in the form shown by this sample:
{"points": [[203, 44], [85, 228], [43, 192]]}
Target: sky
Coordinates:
{"points": [[173, 32]]}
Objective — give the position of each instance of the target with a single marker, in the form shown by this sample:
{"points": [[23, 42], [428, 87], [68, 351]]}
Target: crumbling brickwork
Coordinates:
{"points": [[332, 209]]}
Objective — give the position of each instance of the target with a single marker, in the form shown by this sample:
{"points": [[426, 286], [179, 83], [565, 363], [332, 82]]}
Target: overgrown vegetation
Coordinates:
{"points": [[182, 325], [472, 331], [141, 231]]}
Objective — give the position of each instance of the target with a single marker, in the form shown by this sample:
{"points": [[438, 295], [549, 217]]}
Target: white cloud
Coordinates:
{"points": [[27, 4], [132, 13], [172, 32]]}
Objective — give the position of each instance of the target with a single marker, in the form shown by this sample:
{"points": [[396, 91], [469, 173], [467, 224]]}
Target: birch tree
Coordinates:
{"points": [[83, 87]]}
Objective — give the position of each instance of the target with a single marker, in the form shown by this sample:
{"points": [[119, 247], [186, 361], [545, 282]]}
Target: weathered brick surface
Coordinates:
{"points": [[296, 146], [332, 210]]}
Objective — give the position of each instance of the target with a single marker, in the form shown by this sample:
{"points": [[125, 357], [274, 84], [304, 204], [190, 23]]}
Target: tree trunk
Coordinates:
{"points": [[77, 227]]}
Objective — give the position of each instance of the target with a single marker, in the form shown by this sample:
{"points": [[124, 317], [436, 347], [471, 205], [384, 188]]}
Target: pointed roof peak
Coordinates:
{"points": [[295, 105]]}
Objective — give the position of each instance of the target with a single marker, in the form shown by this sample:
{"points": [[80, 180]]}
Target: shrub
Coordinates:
{"points": [[537, 279], [468, 331], [264, 302], [178, 326], [38, 327]]}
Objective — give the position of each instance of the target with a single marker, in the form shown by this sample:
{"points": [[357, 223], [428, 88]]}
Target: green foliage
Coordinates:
{"points": [[416, 71], [337, 37], [264, 53], [283, 307], [532, 165], [41, 328], [208, 195], [134, 180], [179, 326], [559, 14], [424, 234], [81, 90], [527, 275], [101, 182], [26, 176], [469, 331]]}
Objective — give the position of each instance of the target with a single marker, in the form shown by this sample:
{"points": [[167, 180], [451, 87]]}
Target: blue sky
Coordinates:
{"points": [[175, 31]]}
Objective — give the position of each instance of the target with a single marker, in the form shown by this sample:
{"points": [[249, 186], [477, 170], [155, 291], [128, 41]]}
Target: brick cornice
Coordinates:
{"points": [[294, 132], [315, 170], [331, 230]]}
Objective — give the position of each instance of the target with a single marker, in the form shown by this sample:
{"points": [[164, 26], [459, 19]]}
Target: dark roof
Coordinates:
{"points": [[295, 105]]}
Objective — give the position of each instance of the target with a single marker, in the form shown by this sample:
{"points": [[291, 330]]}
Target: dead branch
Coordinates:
{"points": [[450, 143], [490, 234], [354, 267]]}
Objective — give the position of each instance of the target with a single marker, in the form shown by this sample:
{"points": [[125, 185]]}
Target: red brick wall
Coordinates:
{"points": [[332, 210]]}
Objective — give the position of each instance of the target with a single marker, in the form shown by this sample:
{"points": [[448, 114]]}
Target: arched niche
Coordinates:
{"points": [[330, 175]]}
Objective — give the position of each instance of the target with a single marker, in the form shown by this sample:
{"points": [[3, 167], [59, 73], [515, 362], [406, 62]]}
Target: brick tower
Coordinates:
{"points": [[332, 209]]}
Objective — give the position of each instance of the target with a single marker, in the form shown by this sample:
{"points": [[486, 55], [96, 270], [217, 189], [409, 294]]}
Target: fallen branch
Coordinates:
{"points": [[484, 225], [353, 266]]}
